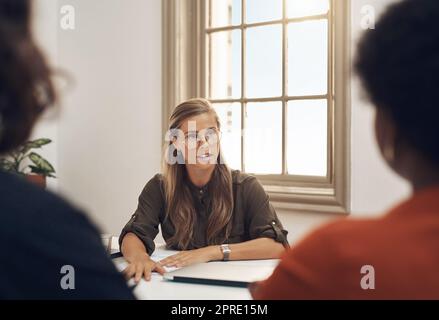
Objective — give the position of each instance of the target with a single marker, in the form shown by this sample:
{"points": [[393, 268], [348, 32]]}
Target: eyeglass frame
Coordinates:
{"points": [[185, 140]]}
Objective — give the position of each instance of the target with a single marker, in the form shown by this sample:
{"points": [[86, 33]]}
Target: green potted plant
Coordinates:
{"points": [[24, 162]]}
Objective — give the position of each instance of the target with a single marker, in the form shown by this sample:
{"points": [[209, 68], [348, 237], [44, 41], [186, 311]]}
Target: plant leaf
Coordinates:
{"points": [[41, 142], [41, 163], [34, 144]]}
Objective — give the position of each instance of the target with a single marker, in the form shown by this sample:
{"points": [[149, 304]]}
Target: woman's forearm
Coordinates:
{"points": [[132, 246], [262, 248]]}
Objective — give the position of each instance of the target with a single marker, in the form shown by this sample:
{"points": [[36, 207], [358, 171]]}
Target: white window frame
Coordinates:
{"points": [[184, 76]]}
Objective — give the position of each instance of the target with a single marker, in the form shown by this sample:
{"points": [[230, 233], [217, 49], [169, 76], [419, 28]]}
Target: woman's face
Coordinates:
{"points": [[200, 144]]}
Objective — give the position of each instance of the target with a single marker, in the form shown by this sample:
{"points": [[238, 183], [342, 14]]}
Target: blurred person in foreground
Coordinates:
{"points": [[44, 239], [398, 64]]}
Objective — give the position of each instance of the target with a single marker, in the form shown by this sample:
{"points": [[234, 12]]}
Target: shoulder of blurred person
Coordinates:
{"points": [[46, 242], [389, 257]]}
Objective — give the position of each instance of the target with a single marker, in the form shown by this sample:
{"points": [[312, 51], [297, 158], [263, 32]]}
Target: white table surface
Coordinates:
{"points": [[160, 289]]}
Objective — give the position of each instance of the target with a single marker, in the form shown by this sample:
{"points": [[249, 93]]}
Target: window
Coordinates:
{"points": [[277, 74]]}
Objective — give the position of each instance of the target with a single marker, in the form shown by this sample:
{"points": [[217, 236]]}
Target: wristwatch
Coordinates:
{"points": [[226, 252]]}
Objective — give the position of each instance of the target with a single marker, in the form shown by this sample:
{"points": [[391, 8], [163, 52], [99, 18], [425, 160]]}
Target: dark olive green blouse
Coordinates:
{"points": [[253, 215]]}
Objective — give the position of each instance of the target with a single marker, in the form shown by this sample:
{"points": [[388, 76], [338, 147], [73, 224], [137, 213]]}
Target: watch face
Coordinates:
{"points": [[226, 251]]}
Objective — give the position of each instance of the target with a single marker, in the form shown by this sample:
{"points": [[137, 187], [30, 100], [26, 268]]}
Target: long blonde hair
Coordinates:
{"points": [[180, 208]]}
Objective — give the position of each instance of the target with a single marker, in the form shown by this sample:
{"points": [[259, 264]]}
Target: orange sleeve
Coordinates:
{"points": [[305, 271]]}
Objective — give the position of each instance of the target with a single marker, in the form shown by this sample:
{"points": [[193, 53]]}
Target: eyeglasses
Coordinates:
{"points": [[211, 136]]}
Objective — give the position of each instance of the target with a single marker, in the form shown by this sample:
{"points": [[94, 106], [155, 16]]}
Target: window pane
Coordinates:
{"points": [[308, 58], [264, 61], [230, 118], [263, 138], [263, 10], [225, 13], [225, 65], [307, 137], [302, 8]]}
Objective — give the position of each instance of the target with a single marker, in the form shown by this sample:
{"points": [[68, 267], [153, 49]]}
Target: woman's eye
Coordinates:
{"points": [[210, 136]]}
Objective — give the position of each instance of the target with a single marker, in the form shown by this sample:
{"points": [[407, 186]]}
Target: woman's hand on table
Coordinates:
{"points": [[141, 266], [186, 258]]}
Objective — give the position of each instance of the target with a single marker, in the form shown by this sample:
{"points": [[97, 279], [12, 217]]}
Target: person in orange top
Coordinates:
{"points": [[395, 256]]}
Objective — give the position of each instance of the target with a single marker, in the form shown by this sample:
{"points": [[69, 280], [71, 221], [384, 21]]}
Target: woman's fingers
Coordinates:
{"points": [[139, 272], [147, 273], [159, 268], [142, 269], [179, 262], [176, 256], [168, 261], [175, 259], [176, 262], [185, 258], [185, 261]]}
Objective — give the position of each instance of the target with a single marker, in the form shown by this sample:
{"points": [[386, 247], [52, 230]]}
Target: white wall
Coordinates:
{"points": [[45, 32], [374, 187], [110, 124]]}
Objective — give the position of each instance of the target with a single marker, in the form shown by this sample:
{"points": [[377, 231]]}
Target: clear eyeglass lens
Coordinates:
{"points": [[210, 136]]}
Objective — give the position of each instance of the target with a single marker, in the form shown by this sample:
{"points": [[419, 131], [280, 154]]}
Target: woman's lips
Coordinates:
{"points": [[205, 157]]}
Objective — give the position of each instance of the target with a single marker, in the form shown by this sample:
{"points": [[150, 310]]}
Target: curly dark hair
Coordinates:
{"points": [[25, 79], [398, 64]]}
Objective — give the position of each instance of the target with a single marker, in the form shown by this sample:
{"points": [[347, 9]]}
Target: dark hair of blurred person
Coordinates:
{"points": [[25, 86]]}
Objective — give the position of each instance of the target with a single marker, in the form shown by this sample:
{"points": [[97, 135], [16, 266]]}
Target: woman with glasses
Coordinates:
{"points": [[204, 209]]}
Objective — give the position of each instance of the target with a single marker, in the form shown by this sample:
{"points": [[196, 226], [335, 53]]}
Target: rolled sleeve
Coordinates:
{"points": [[144, 223], [261, 216]]}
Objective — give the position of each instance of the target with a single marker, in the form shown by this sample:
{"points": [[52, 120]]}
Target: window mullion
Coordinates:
{"points": [[284, 87], [243, 82], [330, 100]]}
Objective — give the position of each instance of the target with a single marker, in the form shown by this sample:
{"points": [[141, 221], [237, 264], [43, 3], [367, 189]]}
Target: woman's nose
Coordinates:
{"points": [[202, 140]]}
